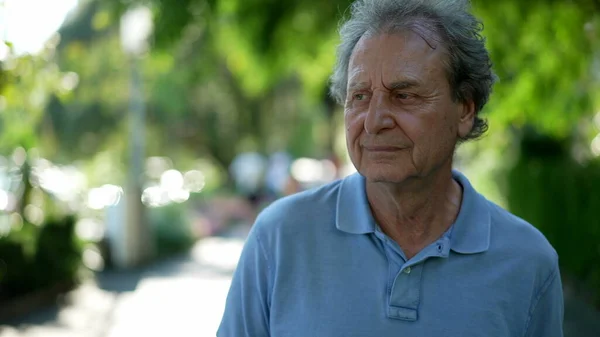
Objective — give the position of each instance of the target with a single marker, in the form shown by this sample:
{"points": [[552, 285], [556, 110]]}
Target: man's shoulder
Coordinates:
{"points": [[520, 237]]}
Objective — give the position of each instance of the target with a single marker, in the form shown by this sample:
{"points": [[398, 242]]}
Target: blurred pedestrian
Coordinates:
{"points": [[248, 172], [278, 174]]}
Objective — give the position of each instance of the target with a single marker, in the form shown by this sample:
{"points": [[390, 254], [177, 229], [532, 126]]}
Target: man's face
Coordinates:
{"points": [[401, 121]]}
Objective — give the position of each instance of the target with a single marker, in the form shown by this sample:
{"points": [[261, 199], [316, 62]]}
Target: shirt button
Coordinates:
{"points": [[407, 270]]}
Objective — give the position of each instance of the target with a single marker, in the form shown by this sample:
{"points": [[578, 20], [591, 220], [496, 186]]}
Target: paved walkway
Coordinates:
{"points": [[183, 296]]}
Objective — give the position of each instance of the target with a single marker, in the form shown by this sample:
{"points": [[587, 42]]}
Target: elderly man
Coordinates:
{"points": [[405, 247]]}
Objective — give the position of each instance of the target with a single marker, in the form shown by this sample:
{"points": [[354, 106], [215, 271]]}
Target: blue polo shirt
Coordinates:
{"points": [[317, 265]]}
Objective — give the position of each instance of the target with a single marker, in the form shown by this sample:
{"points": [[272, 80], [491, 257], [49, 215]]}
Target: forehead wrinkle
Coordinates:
{"points": [[400, 76]]}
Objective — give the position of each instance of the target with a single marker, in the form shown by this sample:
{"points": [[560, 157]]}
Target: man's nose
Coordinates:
{"points": [[379, 116]]}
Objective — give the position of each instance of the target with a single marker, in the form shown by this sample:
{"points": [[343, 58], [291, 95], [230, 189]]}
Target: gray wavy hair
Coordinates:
{"points": [[468, 65]]}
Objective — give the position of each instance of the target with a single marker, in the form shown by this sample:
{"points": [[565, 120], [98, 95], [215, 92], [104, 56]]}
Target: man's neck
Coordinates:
{"points": [[417, 212]]}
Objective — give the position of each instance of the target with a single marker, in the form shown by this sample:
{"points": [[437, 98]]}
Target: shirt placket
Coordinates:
{"points": [[405, 291]]}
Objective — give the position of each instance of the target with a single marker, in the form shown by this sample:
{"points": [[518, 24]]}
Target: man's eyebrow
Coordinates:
{"points": [[403, 84], [396, 85], [358, 86]]}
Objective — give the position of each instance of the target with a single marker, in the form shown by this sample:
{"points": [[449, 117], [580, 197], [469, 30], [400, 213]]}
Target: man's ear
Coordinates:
{"points": [[467, 118]]}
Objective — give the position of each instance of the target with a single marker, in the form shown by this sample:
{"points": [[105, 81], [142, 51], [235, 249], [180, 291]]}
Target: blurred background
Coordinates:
{"points": [[139, 139]]}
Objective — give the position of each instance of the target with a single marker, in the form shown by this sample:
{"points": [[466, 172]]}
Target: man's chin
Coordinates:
{"points": [[385, 176]]}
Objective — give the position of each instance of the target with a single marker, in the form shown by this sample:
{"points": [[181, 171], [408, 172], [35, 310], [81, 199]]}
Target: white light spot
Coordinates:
{"points": [[93, 259], [89, 229], [101, 197], [179, 196], [194, 181], [4, 51], [307, 170], [155, 196], [171, 180], [4, 200], [596, 146], [597, 120], [19, 156], [70, 81], [34, 214]]}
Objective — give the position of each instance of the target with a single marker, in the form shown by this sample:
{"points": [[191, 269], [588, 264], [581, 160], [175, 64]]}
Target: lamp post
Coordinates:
{"points": [[136, 27]]}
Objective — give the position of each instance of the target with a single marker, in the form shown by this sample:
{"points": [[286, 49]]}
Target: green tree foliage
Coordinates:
{"points": [[28, 83], [543, 58], [262, 41]]}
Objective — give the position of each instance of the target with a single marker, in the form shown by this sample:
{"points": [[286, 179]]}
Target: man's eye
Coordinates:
{"points": [[402, 96]]}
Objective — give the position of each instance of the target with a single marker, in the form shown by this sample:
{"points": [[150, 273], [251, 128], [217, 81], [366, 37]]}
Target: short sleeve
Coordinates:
{"points": [[247, 306], [547, 313]]}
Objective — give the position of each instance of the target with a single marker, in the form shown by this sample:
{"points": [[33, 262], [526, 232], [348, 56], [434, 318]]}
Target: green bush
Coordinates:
{"points": [[172, 229], [16, 271], [37, 257], [59, 250], [562, 198]]}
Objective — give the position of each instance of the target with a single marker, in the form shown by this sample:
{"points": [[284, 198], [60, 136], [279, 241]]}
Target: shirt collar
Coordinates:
{"points": [[470, 232], [353, 211]]}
